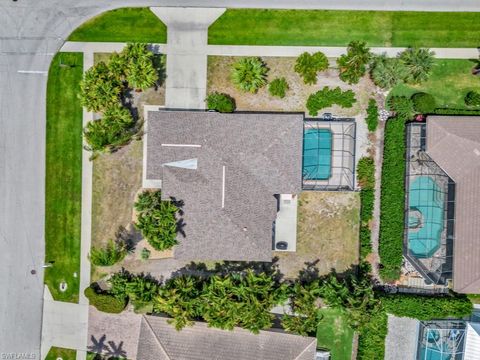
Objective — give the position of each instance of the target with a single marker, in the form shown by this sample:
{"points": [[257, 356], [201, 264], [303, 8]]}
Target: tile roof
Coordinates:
{"points": [[160, 341], [453, 142], [236, 164]]}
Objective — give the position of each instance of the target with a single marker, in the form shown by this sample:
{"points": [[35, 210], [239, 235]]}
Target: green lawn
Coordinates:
{"points": [[334, 334], [123, 25], [449, 82], [334, 27], [66, 354], [63, 175]]}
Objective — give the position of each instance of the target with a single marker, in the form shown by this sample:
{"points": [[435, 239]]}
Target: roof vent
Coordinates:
{"points": [[476, 152], [245, 228]]}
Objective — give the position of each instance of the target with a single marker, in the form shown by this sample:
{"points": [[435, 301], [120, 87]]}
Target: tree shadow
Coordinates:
{"points": [[98, 345], [129, 237]]}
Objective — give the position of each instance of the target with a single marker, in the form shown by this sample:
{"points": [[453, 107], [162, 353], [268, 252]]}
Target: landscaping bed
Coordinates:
{"points": [[122, 25], [338, 28], [334, 334], [63, 193], [56, 353], [219, 79], [327, 233]]}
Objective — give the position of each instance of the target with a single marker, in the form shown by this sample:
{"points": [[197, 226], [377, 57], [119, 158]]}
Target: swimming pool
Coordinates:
{"points": [[425, 216], [317, 154]]}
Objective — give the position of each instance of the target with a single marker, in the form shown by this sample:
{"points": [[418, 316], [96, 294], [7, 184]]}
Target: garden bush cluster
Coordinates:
{"points": [[220, 102], [249, 74], [328, 97], [353, 65], [309, 65], [366, 180], [103, 88], [112, 253], [103, 301], [392, 200], [156, 219], [423, 103], [372, 115], [278, 87], [472, 98]]}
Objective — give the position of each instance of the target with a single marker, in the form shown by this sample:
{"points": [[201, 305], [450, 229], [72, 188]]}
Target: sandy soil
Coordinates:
{"points": [[327, 233]]}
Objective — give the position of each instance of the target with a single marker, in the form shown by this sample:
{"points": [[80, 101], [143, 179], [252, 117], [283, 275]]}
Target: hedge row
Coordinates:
{"points": [[456, 112], [392, 200], [371, 342], [366, 180], [427, 307]]}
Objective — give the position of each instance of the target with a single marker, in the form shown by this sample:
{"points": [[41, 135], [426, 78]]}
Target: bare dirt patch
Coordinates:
{"points": [[327, 233], [219, 79]]}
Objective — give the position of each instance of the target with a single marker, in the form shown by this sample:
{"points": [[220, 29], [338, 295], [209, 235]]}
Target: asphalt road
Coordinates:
{"points": [[31, 31]]}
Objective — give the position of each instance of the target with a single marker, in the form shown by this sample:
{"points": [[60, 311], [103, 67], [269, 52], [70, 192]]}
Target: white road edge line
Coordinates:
{"points": [[182, 145], [223, 187], [32, 72]]}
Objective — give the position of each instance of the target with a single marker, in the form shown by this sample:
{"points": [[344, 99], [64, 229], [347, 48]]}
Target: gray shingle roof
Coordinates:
{"points": [[242, 160], [160, 341], [453, 142]]}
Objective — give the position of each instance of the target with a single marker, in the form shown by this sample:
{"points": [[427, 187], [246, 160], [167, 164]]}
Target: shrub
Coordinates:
{"points": [[328, 97], [371, 341], [99, 88], [109, 255], [140, 71], [402, 106], [308, 65], [472, 98], [145, 254], [103, 301], [139, 289], [114, 129], [353, 64], [249, 74], [278, 87], [457, 111], [220, 102], [156, 219], [427, 307], [424, 103], [366, 180], [419, 63], [387, 72], [372, 115], [392, 200]]}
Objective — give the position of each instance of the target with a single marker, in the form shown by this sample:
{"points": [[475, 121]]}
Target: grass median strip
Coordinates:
{"points": [[122, 25], [338, 28], [63, 176]]}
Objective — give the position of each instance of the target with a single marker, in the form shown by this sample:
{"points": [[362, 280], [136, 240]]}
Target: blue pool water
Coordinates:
{"points": [[425, 220], [317, 154]]}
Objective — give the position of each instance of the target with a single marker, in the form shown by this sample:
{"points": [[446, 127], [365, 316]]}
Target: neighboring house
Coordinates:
{"points": [[153, 338], [437, 339], [443, 200], [239, 174]]}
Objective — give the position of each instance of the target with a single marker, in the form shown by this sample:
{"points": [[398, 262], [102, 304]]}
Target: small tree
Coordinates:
{"points": [[249, 74], [423, 103], [220, 102], [99, 88], [278, 87], [112, 253], [309, 65], [402, 106], [353, 64], [387, 72], [372, 115], [113, 130], [419, 63], [140, 71], [156, 219], [472, 98]]}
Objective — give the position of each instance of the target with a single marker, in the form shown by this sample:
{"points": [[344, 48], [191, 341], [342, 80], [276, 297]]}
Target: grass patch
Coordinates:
{"points": [[122, 25], [334, 27], [392, 200], [449, 82], [56, 352], [63, 176], [334, 334]]}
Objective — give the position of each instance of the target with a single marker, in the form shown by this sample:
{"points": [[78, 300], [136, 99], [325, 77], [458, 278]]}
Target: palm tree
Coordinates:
{"points": [[387, 72], [419, 63], [140, 71], [249, 74], [353, 64], [308, 65]]}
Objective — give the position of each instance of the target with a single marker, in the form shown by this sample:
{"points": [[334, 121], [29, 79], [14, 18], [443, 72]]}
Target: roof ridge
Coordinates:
{"points": [[314, 341], [157, 340]]}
